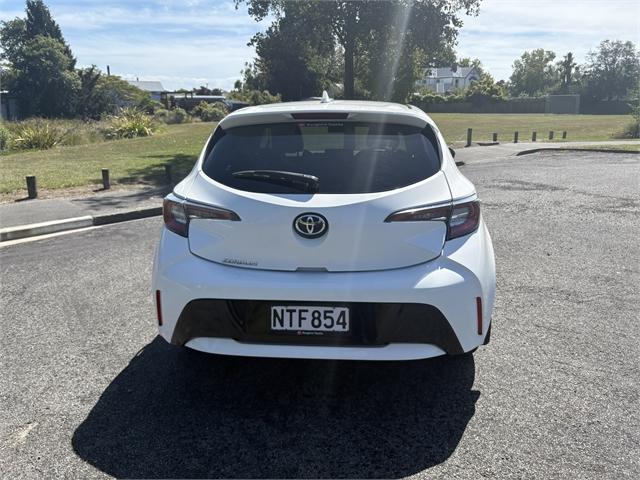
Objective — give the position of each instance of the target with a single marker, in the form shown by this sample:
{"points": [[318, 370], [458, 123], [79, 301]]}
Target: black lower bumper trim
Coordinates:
{"points": [[372, 324]]}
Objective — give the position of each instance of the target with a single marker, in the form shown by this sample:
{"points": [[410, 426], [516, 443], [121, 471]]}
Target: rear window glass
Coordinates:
{"points": [[346, 157]]}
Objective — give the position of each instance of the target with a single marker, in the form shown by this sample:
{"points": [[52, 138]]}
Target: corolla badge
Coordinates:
{"points": [[310, 225]]}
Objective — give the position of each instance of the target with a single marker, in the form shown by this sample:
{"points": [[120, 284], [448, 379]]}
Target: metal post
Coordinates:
{"points": [[105, 179], [168, 172], [551, 135], [469, 136], [564, 135], [534, 136], [515, 137], [495, 137], [32, 188]]}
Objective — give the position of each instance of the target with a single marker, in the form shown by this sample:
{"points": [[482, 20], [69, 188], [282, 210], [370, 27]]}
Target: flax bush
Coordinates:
{"points": [[130, 123]]}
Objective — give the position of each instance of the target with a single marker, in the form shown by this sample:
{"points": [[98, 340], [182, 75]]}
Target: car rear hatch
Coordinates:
{"points": [[339, 227]]}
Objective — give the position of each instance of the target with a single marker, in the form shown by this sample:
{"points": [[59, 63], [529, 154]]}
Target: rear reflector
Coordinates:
{"points": [[479, 311], [320, 116], [158, 307]]}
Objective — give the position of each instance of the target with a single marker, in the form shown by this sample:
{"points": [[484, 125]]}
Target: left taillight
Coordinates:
{"points": [[461, 218], [178, 214]]}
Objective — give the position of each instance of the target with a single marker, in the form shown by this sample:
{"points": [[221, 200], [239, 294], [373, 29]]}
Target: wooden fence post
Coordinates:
{"points": [[515, 137], [564, 135], [105, 179], [495, 137], [550, 134], [469, 136], [32, 187], [534, 136]]}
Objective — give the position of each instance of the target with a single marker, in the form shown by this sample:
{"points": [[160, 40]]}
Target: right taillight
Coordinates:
{"points": [[461, 218], [178, 214], [464, 219]]}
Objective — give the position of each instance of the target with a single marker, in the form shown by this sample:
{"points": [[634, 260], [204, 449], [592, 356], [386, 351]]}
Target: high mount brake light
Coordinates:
{"points": [[177, 215], [320, 115], [461, 219]]}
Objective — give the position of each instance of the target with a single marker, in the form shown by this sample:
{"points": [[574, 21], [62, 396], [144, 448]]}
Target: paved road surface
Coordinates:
{"points": [[87, 389]]}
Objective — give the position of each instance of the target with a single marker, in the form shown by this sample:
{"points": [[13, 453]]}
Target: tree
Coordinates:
{"points": [[99, 94], [43, 68], [612, 70], [485, 90], [288, 50], [46, 83], [471, 62], [388, 38], [567, 69], [533, 74]]}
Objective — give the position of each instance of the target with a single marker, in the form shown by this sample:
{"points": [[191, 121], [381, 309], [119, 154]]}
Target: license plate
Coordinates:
{"points": [[304, 318]]}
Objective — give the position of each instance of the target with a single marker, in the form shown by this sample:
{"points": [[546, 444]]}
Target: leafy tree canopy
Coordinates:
{"points": [[612, 70], [383, 45], [43, 74], [534, 73]]}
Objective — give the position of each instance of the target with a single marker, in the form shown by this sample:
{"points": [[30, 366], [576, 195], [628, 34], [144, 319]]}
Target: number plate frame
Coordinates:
{"points": [[309, 319]]}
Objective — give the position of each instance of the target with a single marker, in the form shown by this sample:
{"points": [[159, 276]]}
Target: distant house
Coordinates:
{"points": [[448, 79], [188, 100], [155, 89]]}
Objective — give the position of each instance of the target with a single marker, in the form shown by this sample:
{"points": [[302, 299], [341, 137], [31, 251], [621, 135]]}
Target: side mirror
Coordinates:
{"points": [[453, 152]]}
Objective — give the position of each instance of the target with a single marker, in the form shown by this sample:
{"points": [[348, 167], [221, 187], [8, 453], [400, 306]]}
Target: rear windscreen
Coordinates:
{"points": [[346, 157]]}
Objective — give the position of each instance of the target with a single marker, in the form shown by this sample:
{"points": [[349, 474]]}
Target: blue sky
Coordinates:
{"points": [[193, 42]]}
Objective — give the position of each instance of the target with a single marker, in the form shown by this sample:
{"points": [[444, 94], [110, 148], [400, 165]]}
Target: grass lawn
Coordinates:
{"points": [[142, 160], [137, 160], [579, 127]]}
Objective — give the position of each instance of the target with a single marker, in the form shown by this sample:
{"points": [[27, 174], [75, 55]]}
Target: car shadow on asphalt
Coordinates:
{"points": [[178, 413]]}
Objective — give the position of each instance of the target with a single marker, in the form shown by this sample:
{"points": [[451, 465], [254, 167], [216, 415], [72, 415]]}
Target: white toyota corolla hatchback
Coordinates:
{"points": [[325, 229]]}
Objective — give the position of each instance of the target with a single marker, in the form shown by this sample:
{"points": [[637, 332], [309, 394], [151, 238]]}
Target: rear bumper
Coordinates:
{"points": [[441, 295], [371, 325]]}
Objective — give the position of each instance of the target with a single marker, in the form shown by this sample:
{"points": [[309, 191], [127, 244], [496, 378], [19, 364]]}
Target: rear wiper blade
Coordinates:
{"points": [[300, 181]]}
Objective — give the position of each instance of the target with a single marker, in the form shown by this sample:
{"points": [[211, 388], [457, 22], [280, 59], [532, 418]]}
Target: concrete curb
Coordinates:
{"points": [[574, 149], [55, 226]]}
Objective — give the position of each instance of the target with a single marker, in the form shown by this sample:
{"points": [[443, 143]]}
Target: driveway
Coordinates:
{"points": [[88, 390]]}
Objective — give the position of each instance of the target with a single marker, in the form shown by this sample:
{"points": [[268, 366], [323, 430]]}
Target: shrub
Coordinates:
{"points": [[176, 115], [426, 97], [631, 130], [36, 134], [130, 123], [149, 106], [255, 97], [161, 115], [210, 112], [179, 115], [4, 137]]}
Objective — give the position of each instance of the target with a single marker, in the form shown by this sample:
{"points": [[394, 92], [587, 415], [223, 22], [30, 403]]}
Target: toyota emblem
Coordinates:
{"points": [[310, 225]]}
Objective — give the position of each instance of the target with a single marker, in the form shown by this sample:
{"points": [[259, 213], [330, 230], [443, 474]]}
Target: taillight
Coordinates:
{"points": [[461, 219], [175, 217], [421, 214], [178, 214], [465, 218]]}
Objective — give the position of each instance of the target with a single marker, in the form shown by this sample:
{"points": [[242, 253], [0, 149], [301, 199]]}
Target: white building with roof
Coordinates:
{"points": [[154, 88], [448, 79]]}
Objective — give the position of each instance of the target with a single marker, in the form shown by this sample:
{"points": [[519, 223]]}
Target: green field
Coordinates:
{"points": [[142, 160], [579, 127], [137, 160]]}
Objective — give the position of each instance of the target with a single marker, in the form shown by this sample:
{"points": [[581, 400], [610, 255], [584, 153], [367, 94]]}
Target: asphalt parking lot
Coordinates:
{"points": [[87, 390]]}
